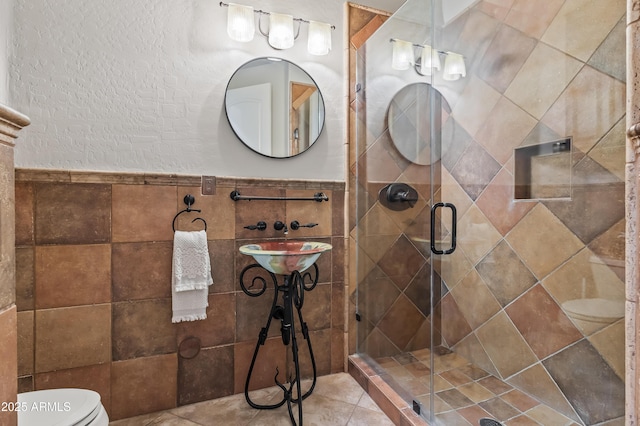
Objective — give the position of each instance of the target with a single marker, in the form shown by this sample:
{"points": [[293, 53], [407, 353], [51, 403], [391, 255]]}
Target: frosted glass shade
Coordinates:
{"points": [[429, 61], [319, 41], [454, 67], [240, 22], [402, 55], [280, 31]]}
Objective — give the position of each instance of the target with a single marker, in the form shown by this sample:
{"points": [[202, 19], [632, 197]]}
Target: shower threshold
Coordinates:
{"points": [[464, 393]]}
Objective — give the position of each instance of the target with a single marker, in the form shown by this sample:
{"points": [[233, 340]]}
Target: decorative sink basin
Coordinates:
{"points": [[284, 257]]}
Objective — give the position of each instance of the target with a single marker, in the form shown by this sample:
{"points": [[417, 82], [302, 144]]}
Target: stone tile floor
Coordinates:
{"points": [[336, 400], [464, 393]]}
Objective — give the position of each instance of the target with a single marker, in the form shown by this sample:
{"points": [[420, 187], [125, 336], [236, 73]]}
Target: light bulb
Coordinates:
{"points": [[280, 31], [454, 67], [319, 41], [430, 59], [240, 22], [402, 55]]}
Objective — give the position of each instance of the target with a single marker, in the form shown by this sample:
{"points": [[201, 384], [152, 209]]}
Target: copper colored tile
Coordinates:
{"points": [[208, 375], [475, 300], [217, 210], [142, 328], [560, 244], [337, 212], [338, 313], [505, 274], [455, 377], [505, 345], [9, 365], [401, 262], [450, 320], [338, 350], [219, 327], [454, 398], [588, 382], [475, 170], [84, 272], [141, 270], [321, 345], [473, 414], [495, 385], [504, 58], [25, 384], [25, 213], [499, 409], [137, 388], [60, 220], [530, 19], [519, 400], [94, 377], [252, 314], [316, 310], [271, 356], [72, 337], [401, 322], [306, 212], [143, 213], [25, 278], [589, 106], [25, 343], [497, 203], [251, 212], [537, 381], [338, 259], [542, 323], [222, 254]]}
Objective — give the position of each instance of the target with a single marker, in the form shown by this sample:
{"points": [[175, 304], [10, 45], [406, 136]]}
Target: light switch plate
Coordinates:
{"points": [[208, 185]]}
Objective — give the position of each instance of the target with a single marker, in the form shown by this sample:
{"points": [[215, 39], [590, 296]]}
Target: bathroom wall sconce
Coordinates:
{"points": [[428, 59], [280, 34]]}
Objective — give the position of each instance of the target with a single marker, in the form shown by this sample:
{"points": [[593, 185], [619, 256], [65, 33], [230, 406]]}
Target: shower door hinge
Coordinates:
{"points": [[358, 87], [416, 407], [358, 317]]}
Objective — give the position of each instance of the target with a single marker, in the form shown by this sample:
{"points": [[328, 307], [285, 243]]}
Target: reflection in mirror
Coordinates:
{"points": [[416, 115], [274, 107]]}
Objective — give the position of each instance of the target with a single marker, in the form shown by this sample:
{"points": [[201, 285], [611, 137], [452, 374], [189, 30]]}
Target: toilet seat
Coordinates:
{"points": [[61, 407], [596, 310]]}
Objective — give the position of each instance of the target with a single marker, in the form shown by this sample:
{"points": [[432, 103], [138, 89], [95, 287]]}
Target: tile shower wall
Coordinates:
{"points": [[532, 76], [93, 258]]}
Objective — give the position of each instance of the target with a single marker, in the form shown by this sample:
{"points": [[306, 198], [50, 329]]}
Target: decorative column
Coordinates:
{"points": [[11, 122]]}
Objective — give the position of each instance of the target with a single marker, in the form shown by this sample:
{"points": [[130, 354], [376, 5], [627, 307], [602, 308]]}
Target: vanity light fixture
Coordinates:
{"points": [[454, 67], [403, 57], [240, 22], [281, 35]]}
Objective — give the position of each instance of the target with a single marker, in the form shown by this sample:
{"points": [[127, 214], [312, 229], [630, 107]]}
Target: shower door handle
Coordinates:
{"points": [[453, 228]]}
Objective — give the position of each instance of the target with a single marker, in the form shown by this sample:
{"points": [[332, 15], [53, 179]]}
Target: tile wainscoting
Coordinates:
{"points": [[93, 295]]}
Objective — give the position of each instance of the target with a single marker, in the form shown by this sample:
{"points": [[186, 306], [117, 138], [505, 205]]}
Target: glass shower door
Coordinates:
{"points": [[399, 217]]}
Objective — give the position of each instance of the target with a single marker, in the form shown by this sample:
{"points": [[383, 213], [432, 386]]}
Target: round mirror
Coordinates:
{"points": [[416, 116], [274, 107]]}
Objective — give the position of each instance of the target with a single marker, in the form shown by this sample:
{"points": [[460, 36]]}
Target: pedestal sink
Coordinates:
{"points": [[284, 257], [288, 258]]}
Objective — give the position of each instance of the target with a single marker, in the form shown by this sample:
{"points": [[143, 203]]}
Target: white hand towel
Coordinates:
{"points": [[191, 276]]}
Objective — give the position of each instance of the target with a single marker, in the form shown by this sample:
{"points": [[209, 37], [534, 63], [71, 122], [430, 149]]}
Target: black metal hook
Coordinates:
{"points": [[188, 200]]}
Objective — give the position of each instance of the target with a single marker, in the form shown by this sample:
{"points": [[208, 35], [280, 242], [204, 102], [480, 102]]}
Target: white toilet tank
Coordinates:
{"points": [[61, 407]]}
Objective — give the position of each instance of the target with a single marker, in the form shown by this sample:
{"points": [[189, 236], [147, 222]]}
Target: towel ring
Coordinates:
{"points": [[188, 200]]}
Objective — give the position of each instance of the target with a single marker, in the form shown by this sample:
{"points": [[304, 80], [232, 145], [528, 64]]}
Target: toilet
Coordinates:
{"points": [[593, 312], [61, 407]]}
